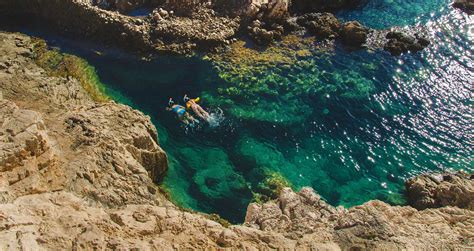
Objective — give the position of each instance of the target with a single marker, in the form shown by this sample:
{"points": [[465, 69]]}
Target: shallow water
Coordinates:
{"points": [[353, 125]]}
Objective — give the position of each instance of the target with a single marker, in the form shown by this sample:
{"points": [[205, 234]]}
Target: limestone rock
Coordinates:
{"points": [[322, 25], [439, 190]]}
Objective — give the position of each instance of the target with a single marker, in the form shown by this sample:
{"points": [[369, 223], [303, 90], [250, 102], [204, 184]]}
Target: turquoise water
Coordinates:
{"points": [[353, 125]]}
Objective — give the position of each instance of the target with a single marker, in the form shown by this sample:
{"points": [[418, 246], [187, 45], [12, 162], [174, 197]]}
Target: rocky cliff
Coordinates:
{"points": [[77, 173]]}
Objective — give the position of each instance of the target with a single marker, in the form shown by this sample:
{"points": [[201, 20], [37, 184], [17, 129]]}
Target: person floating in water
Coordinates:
{"points": [[181, 112], [197, 109]]}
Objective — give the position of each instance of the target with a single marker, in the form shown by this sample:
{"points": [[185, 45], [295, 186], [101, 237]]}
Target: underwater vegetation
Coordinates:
{"points": [[59, 64], [283, 79]]}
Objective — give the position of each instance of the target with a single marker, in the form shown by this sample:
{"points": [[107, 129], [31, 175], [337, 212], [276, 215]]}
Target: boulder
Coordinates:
{"points": [[354, 34], [399, 42]]}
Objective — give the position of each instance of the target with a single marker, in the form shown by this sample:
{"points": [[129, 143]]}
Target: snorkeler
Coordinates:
{"points": [[197, 109], [183, 115]]}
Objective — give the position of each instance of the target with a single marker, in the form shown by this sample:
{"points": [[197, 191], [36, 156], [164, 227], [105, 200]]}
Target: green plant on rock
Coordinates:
{"points": [[271, 187], [288, 78], [59, 64]]}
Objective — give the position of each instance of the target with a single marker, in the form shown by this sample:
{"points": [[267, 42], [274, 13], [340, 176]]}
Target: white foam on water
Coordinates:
{"points": [[216, 117]]}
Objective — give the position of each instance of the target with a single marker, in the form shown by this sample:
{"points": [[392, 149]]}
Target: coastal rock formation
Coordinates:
{"points": [[373, 225], [322, 25], [354, 34], [400, 42], [439, 190], [107, 152], [178, 34], [79, 174], [188, 26], [465, 5]]}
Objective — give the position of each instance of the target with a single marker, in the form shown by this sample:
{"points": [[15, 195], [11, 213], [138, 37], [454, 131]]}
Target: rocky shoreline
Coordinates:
{"points": [[190, 26], [79, 173]]}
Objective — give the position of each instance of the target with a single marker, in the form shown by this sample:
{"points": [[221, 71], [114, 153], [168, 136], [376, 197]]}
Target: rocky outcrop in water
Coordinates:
{"points": [[322, 25], [400, 42], [187, 26], [79, 174], [439, 190], [354, 34]]}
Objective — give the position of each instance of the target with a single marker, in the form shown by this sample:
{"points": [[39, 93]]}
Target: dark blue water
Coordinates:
{"points": [[353, 125]]}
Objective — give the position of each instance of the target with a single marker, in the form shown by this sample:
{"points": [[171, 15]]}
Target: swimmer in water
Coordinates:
{"points": [[181, 112], [197, 109]]}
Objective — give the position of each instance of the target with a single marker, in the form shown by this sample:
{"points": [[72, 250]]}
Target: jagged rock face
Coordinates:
{"points": [[322, 25], [178, 34], [465, 5], [28, 159], [306, 217], [81, 18], [107, 152], [439, 190]]}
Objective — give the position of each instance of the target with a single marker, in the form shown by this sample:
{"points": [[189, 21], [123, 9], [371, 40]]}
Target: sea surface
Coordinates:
{"points": [[354, 125]]}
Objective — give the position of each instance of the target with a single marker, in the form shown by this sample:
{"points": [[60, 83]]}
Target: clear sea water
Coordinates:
{"points": [[352, 125]]}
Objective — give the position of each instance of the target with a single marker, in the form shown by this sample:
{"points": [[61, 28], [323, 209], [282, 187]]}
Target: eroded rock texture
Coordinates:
{"points": [[77, 174], [375, 225], [189, 26], [439, 190]]}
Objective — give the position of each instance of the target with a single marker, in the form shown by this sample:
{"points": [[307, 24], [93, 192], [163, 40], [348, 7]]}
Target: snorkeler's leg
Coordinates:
{"points": [[203, 112], [200, 112]]}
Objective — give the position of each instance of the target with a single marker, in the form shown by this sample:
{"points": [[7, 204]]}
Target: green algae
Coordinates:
{"points": [[59, 64], [283, 79], [271, 187]]}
